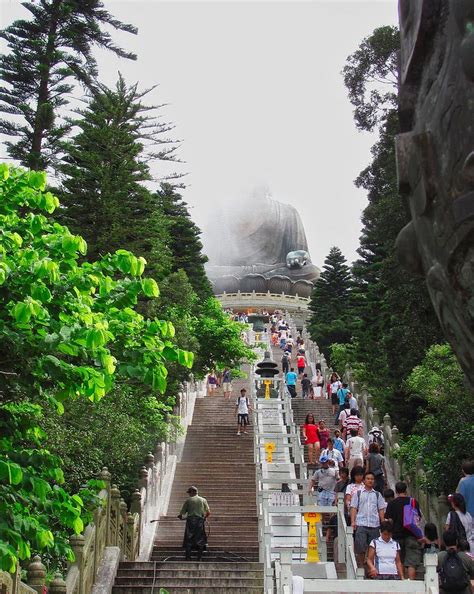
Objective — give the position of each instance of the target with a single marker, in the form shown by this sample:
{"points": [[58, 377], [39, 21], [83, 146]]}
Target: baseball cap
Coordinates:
{"points": [[323, 459]]}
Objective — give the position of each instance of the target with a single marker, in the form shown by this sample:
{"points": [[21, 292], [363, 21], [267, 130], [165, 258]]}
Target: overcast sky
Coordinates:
{"points": [[257, 97]]}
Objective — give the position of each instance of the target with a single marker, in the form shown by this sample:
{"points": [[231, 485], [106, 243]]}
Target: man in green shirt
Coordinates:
{"points": [[196, 510]]}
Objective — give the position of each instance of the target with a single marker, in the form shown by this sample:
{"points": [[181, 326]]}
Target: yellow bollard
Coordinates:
{"points": [[312, 518], [257, 337], [270, 448], [267, 383]]}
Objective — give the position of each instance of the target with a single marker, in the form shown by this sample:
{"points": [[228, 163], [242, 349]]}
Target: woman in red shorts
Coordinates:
{"points": [[311, 437]]}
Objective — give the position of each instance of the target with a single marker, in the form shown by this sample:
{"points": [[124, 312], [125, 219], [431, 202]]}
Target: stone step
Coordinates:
{"points": [[221, 465], [249, 554], [184, 579], [139, 589], [190, 565]]}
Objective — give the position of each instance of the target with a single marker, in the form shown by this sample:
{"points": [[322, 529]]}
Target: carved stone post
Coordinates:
{"points": [[114, 516], [58, 585], [123, 512], [143, 477], [376, 417], [105, 476], [362, 402], [136, 505], [370, 409], [77, 542], [132, 538], [36, 575], [442, 511]]}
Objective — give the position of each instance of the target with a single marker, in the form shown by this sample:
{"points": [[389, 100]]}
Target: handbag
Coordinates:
{"points": [[412, 519]]}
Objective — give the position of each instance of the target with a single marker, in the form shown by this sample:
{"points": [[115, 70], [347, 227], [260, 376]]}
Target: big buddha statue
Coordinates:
{"points": [[260, 246]]}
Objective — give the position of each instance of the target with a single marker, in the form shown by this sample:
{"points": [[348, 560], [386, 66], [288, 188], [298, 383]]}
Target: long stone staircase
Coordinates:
{"points": [[221, 465]]}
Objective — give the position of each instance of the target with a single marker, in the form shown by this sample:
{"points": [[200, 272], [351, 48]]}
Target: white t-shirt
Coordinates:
{"points": [[356, 446], [353, 403], [283, 334], [343, 415], [333, 455], [335, 387], [243, 407], [385, 555], [353, 488]]}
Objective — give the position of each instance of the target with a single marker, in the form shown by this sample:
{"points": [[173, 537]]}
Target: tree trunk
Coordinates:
{"points": [[35, 160]]}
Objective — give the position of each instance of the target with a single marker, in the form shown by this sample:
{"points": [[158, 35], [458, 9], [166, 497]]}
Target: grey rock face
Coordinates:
{"points": [[435, 158]]}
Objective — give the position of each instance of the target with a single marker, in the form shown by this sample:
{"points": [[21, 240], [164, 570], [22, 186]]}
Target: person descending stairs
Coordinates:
{"points": [[221, 465]]}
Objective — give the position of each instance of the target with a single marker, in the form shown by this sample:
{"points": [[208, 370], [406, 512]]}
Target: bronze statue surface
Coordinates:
{"points": [[435, 158]]}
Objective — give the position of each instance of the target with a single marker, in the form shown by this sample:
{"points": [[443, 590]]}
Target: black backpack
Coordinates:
{"points": [[456, 526], [453, 576]]}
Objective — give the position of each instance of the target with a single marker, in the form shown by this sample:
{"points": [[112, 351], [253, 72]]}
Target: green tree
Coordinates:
{"points": [[371, 75], [67, 331], [446, 420], [396, 322], [220, 342], [104, 169], [79, 439], [330, 303], [184, 240], [46, 55]]}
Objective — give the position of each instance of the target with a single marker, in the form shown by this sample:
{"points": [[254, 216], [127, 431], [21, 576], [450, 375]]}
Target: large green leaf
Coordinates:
{"points": [[150, 287], [170, 353], [11, 472], [44, 538], [22, 312]]}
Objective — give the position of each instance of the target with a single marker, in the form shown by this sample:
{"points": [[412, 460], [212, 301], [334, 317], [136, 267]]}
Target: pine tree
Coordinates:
{"points": [[330, 304], [396, 322], [47, 54], [104, 169], [185, 244]]}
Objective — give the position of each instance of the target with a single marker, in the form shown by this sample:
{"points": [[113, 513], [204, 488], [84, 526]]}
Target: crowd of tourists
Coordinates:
{"points": [[388, 538]]}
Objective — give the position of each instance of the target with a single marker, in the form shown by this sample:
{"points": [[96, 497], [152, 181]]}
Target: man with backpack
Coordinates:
{"points": [[411, 552], [456, 568], [285, 363]]}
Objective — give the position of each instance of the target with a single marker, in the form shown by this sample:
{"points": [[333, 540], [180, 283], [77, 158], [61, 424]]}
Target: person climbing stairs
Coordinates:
{"points": [[221, 465]]}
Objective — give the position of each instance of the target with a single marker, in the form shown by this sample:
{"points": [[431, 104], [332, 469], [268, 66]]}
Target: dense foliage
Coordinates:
{"points": [[445, 426], [392, 326], [69, 331], [183, 239], [371, 75], [396, 323], [46, 55], [104, 166], [331, 316]]}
